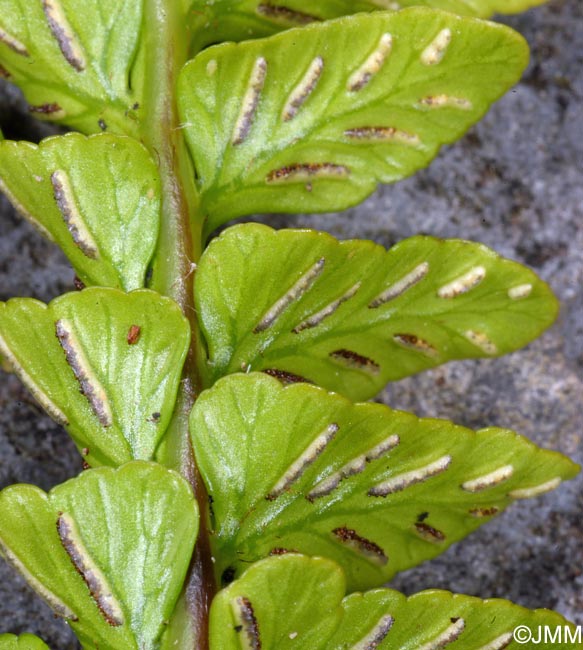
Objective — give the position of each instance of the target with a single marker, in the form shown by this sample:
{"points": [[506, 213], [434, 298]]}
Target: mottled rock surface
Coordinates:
{"points": [[514, 183]]}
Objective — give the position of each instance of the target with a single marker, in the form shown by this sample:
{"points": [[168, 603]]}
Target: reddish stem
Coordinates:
{"points": [[179, 248]]}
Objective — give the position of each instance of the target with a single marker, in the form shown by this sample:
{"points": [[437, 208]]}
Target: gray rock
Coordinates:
{"points": [[514, 183]]}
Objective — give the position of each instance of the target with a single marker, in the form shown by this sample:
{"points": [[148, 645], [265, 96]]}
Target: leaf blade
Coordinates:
{"points": [[313, 584], [360, 316], [110, 375], [22, 642], [383, 618], [76, 61], [298, 469], [241, 20], [340, 142], [119, 552], [98, 198]]}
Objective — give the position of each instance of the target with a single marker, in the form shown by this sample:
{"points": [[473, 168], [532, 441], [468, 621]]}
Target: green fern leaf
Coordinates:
{"points": [[103, 363], [98, 198], [351, 316], [108, 551], [77, 61], [374, 489], [241, 20], [292, 602], [312, 119], [23, 642]]}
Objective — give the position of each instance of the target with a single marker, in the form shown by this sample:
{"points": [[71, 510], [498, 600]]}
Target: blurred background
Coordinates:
{"points": [[514, 183]]}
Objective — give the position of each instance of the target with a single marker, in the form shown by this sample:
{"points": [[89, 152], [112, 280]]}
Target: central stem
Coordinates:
{"points": [[179, 248]]}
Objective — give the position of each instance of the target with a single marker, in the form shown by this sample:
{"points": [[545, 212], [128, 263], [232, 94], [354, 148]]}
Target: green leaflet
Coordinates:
{"points": [[377, 490], [284, 602], [23, 642], [111, 373], [98, 198], [311, 120], [351, 316], [240, 20], [77, 61], [292, 602], [434, 619], [108, 551]]}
